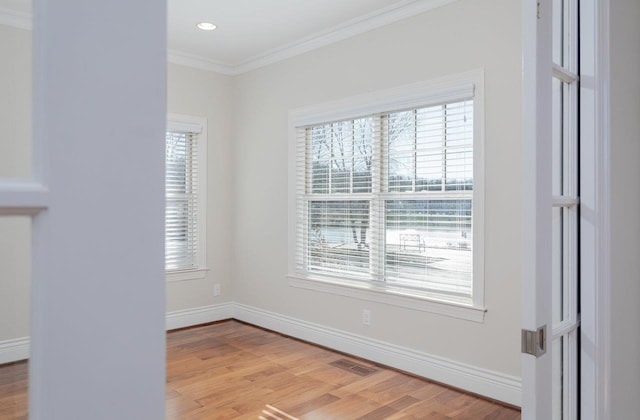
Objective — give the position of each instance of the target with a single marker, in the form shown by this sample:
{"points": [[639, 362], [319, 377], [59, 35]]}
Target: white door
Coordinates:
{"points": [[97, 196], [550, 210]]}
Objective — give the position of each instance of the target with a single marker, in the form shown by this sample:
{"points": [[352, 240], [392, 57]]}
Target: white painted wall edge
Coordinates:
{"points": [[481, 381]]}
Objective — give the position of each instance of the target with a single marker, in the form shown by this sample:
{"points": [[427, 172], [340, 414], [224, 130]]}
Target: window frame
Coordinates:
{"points": [[198, 125], [468, 85]]}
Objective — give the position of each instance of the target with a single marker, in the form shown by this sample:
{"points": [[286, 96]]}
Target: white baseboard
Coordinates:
{"points": [[18, 349], [484, 382], [14, 350], [200, 315]]}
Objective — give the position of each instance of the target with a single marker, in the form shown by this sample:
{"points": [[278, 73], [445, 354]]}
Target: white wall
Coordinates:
{"points": [[247, 217], [625, 208], [15, 106], [15, 162], [190, 91], [206, 94], [464, 36]]}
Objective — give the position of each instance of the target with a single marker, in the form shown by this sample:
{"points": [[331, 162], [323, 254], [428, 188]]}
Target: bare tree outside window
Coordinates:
{"points": [[419, 195]]}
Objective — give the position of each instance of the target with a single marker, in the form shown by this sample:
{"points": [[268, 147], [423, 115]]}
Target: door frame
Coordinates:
{"points": [[595, 291], [595, 288], [536, 203]]}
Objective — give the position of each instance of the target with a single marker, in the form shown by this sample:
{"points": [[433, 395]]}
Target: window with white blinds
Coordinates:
{"points": [[388, 199], [183, 217]]}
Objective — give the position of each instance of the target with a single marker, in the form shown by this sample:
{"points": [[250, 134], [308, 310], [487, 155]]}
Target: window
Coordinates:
{"points": [[388, 196], [185, 197]]}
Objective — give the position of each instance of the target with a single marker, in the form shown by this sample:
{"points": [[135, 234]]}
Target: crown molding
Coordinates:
{"points": [[198, 62], [13, 18], [381, 17]]}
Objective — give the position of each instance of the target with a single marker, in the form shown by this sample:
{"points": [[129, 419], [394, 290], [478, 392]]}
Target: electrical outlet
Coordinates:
{"points": [[216, 290], [366, 317]]}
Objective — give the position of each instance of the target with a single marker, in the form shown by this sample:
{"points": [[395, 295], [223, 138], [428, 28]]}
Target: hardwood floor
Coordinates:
{"points": [[231, 370], [13, 391]]}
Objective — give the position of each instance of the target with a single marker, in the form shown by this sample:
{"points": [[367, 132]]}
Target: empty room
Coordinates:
{"points": [[304, 209]]}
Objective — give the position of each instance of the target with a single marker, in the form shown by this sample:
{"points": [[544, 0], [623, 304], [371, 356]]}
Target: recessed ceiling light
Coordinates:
{"points": [[206, 26]]}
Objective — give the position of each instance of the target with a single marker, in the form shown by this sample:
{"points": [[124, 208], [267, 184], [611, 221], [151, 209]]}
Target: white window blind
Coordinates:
{"points": [[181, 219], [388, 198]]}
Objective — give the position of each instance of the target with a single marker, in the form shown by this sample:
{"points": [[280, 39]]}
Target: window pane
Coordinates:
{"points": [[320, 158], [181, 218], [557, 264], [401, 140], [558, 362], [362, 154], [429, 244], [459, 146], [557, 138], [180, 242], [430, 149], [401, 169], [388, 198], [341, 154], [338, 237]]}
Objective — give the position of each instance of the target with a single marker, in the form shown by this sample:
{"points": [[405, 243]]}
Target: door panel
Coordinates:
{"points": [[537, 203], [550, 206]]}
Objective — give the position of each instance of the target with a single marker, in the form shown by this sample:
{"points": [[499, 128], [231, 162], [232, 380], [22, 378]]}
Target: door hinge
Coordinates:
{"points": [[538, 11], [535, 342]]}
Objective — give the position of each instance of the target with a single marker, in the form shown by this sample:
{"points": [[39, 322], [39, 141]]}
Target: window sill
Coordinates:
{"points": [[185, 275], [403, 298]]}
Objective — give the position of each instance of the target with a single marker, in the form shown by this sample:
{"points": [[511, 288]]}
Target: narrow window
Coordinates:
{"points": [[185, 195]]}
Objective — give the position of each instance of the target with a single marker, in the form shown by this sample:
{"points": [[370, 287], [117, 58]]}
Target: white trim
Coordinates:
{"points": [[481, 381], [603, 200], [564, 201], [192, 123], [200, 315], [456, 87], [173, 124], [198, 125], [595, 401], [19, 197], [536, 19], [403, 298], [185, 275], [376, 19], [18, 349], [479, 165], [470, 378], [14, 350], [450, 88], [563, 74], [16, 19], [197, 62], [385, 16]]}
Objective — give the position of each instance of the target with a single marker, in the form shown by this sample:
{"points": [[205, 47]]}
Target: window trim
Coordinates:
{"points": [[198, 125], [449, 88]]}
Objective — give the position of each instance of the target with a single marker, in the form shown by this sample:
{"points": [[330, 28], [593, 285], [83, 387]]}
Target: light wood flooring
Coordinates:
{"points": [[231, 370]]}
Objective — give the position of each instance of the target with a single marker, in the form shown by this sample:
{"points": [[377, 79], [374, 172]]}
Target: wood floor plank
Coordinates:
{"points": [[231, 370]]}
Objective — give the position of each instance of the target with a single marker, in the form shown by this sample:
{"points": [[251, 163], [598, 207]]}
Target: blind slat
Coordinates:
{"points": [[355, 220], [181, 189]]}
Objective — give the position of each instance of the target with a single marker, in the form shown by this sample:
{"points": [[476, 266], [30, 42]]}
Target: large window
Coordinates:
{"points": [[185, 196], [388, 199]]}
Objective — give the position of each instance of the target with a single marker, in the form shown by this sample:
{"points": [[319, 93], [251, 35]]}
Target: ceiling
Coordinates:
{"points": [[254, 33]]}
